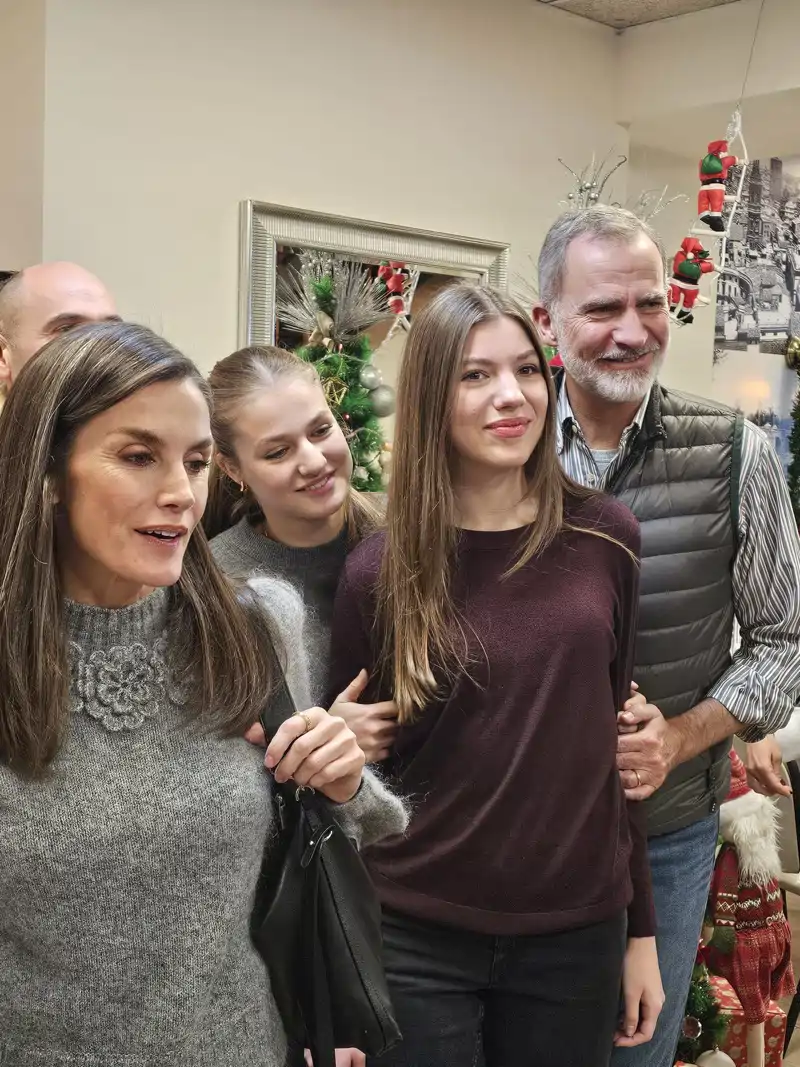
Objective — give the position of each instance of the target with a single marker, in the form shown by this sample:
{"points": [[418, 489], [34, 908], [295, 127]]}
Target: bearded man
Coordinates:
{"points": [[719, 543]]}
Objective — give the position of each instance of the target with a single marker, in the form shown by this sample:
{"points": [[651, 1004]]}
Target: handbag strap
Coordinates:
{"points": [[321, 1041], [281, 706]]}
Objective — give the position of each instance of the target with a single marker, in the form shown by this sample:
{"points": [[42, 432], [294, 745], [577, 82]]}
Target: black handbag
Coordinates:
{"points": [[317, 925]]}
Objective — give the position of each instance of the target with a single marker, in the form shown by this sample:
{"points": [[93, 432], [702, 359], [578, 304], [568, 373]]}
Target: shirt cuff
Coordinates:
{"points": [[760, 710]]}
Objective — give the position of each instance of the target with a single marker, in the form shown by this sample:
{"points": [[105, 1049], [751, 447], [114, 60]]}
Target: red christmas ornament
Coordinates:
{"points": [[397, 266], [385, 272], [396, 283], [397, 305]]}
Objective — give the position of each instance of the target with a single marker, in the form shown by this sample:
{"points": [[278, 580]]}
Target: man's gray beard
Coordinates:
{"points": [[617, 386]]}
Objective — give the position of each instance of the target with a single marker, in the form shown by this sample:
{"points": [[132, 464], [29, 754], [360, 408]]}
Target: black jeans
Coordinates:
{"points": [[471, 1000]]}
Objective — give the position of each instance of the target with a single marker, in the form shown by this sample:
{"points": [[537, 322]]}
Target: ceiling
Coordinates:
{"points": [[623, 13]]}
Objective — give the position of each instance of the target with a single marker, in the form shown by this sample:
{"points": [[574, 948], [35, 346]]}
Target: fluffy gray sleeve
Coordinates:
{"points": [[374, 812], [284, 605]]}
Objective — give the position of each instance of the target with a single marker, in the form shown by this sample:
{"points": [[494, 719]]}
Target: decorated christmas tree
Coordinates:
{"points": [[704, 1025], [794, 450], [333, 302]]}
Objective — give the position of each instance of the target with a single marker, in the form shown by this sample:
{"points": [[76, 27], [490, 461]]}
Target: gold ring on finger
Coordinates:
{"points": [[638, 779], [306, 719]]}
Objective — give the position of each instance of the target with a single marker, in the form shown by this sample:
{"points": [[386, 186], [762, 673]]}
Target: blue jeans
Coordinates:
{"points": [[682, 864], [470, 1000]]}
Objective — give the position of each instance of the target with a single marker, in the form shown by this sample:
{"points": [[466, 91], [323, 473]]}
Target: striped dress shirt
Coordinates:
{"points": [[762, 685]]}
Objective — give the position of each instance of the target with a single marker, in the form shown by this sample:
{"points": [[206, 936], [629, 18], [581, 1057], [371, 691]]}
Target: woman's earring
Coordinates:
{"points": [[242, 487]]}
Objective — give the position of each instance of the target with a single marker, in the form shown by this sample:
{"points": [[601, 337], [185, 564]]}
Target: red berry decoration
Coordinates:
{"points": [[397, 266], [385, 272], [397, 305]]}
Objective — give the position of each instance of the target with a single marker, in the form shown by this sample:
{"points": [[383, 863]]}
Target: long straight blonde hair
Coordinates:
{"points": [[422, 643], [233, 381]]}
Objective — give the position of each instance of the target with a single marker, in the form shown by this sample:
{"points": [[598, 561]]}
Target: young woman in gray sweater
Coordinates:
{"points": [[134, 814], [281, 504]]}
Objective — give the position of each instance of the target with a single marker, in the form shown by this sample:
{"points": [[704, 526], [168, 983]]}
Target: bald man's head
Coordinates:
{"points": [[42, 302]]}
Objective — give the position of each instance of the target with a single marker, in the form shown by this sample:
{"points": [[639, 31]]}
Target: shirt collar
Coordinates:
{"points": [[566, 421]]}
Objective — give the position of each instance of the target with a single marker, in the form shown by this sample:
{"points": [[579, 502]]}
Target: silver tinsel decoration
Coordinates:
{"points": [[358, 301], [591, 182]]}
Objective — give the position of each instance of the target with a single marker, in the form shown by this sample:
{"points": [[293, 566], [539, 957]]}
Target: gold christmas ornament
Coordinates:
{"points": [[793, 353], [335, 391], [321, 334]]}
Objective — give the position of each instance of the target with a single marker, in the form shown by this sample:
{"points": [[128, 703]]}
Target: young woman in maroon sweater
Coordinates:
{"points": [[499, 611]]}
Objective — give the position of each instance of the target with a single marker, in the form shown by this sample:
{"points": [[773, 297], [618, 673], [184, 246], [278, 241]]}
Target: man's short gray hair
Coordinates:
{"points": [[603, 222]]}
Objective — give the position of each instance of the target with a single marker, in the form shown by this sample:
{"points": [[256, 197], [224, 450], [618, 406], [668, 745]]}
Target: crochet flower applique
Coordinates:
{"points": [[123, 686]]}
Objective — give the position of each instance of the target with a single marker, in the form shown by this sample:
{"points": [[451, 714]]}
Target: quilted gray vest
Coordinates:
{"points": [[681, 481]]}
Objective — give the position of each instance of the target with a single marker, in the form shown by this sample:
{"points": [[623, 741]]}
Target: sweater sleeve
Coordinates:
{"points": [[641, 912], [374, 812], [351, 649]]}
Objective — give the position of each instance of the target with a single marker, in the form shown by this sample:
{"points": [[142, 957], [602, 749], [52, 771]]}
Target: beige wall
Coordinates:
{"points": [[701, 58], [689, 363], [22, 59], [161, 117]]}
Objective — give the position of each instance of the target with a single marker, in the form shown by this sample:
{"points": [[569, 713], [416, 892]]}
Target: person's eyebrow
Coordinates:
{"points": [[271, 439], [601, 303], [479, 361], [152, 440], [73, 318]]}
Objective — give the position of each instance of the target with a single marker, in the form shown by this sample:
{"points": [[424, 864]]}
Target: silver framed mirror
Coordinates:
{"points": [[265, 228]]}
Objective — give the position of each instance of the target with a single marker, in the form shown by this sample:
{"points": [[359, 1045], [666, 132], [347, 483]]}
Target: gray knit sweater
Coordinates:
{"points": [[127, 877], [242, 552]]}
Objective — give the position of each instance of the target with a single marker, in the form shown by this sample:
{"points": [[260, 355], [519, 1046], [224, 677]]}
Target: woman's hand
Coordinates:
{"points": [[643, 992], [318, 750], [345, 1057], [375, 725], [636, 700]]}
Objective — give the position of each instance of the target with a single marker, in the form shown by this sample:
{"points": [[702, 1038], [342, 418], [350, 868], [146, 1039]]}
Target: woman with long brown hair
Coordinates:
{"points": [[281, 504], [134, 815], [498, 610]]}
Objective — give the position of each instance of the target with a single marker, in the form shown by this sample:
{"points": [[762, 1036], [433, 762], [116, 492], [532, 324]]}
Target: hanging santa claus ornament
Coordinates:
{"points": [[714, 169], [689, 265]]}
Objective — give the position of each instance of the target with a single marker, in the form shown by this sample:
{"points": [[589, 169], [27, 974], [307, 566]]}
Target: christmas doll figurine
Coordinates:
{"points": [[689, 265], [714, 169], [751, 945]]}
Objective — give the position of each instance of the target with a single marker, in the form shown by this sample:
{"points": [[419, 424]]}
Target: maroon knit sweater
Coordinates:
{"points": [[519, 824]]}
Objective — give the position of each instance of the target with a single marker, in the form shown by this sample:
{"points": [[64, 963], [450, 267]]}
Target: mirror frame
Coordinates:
{"points": [[265, 226]]}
